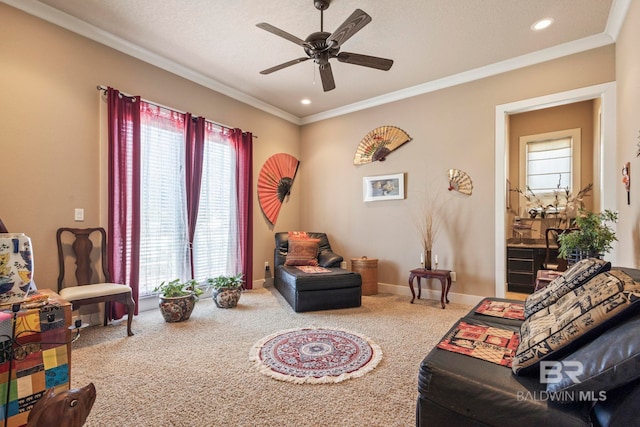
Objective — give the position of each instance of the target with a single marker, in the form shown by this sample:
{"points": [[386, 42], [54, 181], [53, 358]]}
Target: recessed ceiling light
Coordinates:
{"points": [[542, 24], [305, 101]]}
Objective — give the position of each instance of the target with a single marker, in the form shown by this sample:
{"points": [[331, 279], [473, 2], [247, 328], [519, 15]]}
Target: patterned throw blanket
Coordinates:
{"points": [[313, 269], [504, 309], [482, 342]]}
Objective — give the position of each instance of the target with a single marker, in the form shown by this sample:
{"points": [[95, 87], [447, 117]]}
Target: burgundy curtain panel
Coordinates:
{"points": [[124, 190], [243, 144], [124, 193], [195, 154]]}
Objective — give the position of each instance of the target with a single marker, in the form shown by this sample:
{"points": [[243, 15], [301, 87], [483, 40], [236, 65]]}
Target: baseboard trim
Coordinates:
{"points": [[387, 288], [429, 294]]}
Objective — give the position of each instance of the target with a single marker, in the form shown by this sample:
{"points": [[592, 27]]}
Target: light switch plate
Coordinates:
{"points": [[79, 214]]}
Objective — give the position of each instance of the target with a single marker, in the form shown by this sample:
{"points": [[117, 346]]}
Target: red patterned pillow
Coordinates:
{"points": [[302, 252]]}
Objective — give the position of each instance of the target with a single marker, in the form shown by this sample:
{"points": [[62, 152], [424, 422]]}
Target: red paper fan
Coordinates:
{"points": [[274, 183]]}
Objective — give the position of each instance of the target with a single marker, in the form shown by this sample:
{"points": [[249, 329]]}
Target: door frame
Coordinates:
{"points": [[608, 171]]}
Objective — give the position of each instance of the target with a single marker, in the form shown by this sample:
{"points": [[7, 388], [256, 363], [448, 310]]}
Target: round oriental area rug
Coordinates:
{"points": [[315, 355]]}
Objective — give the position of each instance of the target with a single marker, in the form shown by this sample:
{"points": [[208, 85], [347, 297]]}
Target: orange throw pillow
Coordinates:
{"points": [[302, 252]]}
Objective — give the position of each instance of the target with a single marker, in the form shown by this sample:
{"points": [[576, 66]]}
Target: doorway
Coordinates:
{"points": [[607, 157]]}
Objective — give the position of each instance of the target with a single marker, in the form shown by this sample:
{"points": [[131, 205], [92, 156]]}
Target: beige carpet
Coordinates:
{"points": [[198, 373]]}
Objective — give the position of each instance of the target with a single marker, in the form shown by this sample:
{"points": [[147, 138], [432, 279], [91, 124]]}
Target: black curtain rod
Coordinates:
{"points": [[104, 90]]}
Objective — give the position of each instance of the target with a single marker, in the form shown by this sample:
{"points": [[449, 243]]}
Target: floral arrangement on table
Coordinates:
{"points": [[564, 205]]}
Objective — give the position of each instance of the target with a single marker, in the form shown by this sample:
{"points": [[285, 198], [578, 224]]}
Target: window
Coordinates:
{"points": [[163, 214], [164, 243], [550, 162], [215, 245]]}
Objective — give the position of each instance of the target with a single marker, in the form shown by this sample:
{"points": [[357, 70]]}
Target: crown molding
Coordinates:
{"points": [[617, 15], [68, 22], [618, 12], [511, 64]]}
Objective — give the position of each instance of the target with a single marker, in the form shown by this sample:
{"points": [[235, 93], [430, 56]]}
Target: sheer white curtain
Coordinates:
{"points": [[164, 243], [215, 246]]}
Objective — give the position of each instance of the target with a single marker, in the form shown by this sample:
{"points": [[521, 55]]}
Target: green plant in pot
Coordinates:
{"points": [[593, 238], [177, 299], [226, 290]]}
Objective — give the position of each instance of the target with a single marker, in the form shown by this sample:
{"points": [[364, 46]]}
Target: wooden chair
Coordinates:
{"points": [[551, 268], [551, 238], [86, 291]]}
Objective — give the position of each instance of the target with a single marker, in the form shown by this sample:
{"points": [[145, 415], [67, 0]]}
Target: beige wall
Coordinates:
{"points": [[50, 130], [628, 113], [451, 128]]}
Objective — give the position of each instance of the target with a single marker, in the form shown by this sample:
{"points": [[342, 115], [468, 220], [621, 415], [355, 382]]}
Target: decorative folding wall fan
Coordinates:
{"points": [[460, 181], [274, 183], [377, 144]]}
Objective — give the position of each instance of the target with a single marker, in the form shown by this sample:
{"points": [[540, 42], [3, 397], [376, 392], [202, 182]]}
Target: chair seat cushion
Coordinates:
{"points": [[91, 291]]}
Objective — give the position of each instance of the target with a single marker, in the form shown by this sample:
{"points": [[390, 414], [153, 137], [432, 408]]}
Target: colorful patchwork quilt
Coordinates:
{"points": [[40, 360]]}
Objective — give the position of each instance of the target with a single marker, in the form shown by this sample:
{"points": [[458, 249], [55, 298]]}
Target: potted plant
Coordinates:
{"points": [[226, 290], [177, 299], [593, 238]]}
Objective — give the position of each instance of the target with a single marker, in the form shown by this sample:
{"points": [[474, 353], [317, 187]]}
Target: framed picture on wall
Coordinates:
{"points": [[383, 187]]}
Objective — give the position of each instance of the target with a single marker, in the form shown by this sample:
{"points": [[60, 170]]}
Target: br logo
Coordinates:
{"points": [[552, 372]]}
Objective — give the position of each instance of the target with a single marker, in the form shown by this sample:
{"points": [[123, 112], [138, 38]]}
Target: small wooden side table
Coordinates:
{"points": [[443, 275]]}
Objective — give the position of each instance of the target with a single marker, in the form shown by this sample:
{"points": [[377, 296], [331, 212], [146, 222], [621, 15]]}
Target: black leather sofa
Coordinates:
{"points": [[458, 390], [336, 289]]}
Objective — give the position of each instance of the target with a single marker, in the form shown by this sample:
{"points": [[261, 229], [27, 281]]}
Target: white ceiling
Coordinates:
{"points": [[434, 43]]}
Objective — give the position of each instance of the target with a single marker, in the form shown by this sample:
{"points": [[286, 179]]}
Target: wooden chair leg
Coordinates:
{"points": [[107, 310], [131, 306]]}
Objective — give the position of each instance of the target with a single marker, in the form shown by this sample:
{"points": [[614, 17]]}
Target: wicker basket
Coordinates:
{"points": [[368, 269]]}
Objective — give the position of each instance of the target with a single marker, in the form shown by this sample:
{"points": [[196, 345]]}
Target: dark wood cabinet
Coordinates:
{"points": [[523, 263]]}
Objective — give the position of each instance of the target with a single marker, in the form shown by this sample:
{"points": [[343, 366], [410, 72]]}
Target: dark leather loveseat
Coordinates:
{"points": [[459, 390], [337, 288]]}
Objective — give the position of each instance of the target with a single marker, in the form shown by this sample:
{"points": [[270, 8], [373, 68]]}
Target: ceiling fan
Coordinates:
{"points": [[322, 46]]}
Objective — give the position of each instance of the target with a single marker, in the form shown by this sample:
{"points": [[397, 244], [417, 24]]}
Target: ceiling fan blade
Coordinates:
{"points": [[326, 75], [352, 25], [365, 60], [284, 65], [283, 34]]}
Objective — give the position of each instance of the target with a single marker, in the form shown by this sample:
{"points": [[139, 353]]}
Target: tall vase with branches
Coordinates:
{"points": [[427, 226]]}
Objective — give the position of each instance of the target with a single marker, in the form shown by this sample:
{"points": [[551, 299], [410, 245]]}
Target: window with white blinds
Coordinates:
{"points": [[549, 165], [550, 162], [164, 243]]}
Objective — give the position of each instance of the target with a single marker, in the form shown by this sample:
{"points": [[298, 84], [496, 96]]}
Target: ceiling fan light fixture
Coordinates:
{"points": [[541, 24], [321, 46]]}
